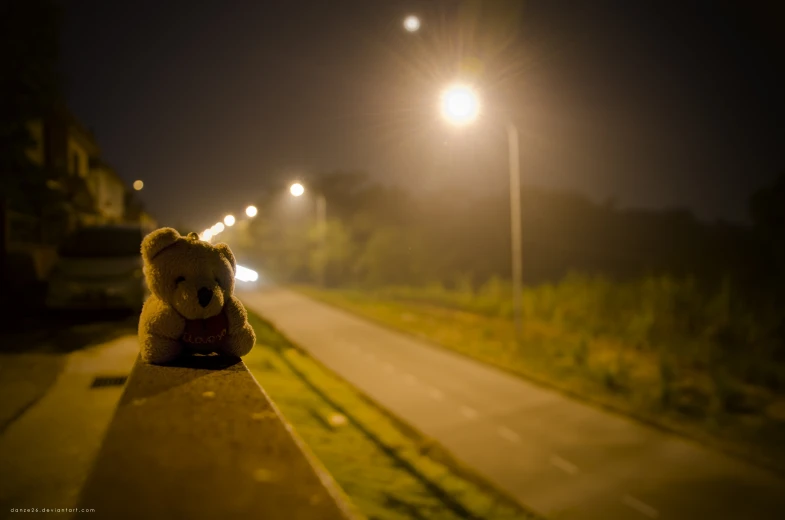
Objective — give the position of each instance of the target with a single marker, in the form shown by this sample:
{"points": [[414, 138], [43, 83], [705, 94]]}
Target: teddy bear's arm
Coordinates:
{"points": [[240, 338], [160, 329]]}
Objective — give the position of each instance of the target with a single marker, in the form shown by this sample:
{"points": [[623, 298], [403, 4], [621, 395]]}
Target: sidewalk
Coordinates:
{"points": [[48, 451]]}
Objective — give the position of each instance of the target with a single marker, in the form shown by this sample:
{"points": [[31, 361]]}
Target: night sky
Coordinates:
{"points": [[655, 106]]}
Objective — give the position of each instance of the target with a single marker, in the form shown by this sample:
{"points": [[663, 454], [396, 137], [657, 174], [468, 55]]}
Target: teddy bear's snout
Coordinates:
{"points": [[204, 295]]}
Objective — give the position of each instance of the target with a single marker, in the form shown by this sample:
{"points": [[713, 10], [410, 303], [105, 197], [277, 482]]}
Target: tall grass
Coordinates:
{"points": [[706, 361], [688, 326]]}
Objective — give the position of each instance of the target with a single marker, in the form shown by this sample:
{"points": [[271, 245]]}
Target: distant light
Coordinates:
{"points": [[246, 275], [460, 104], [138, 185], [207, 234], [229, 220], [250, 211], [218, 227], [411, 23], [296, 189]]}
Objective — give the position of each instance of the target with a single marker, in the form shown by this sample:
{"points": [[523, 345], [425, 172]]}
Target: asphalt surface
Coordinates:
{"points": [[562, 458]]}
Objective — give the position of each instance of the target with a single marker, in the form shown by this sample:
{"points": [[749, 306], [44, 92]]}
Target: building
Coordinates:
{"points": [[108, 192], [92, 191], [81, 190]]}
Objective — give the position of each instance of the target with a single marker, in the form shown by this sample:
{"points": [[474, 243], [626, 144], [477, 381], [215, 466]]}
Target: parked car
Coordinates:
{"points": [[99, 267]]}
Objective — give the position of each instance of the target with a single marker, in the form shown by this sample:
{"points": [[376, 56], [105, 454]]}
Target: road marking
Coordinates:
{"points": [[409, 379], [470, 413], [508, 434], [639, 506], [564, 465], [436, 394], [389, 368]]}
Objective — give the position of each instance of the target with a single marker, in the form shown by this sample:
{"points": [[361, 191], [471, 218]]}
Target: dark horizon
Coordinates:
{"points": [[655, 106]]}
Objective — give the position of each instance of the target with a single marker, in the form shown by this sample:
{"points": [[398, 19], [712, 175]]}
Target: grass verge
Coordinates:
{"points": [[600, 370], [387, 470]]}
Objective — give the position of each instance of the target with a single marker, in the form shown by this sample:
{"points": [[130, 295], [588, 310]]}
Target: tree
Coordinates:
{"points": [[767, 209], [335, 259], [393, 256]]}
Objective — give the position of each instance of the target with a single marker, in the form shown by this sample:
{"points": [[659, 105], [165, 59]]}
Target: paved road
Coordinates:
{"points": [[562, 458]]}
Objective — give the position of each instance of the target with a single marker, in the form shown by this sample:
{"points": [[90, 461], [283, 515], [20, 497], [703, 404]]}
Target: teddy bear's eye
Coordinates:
{"points": [[179, 279]]}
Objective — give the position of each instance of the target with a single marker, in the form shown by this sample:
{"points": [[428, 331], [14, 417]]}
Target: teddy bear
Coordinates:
{"points": [[191, 307]]}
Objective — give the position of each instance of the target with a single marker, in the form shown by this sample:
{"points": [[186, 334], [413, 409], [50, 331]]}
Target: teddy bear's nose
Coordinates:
{"points": [[204, 295]]}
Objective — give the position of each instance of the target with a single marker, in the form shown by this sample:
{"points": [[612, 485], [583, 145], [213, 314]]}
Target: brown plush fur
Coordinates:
{"points": [[176, 268]]}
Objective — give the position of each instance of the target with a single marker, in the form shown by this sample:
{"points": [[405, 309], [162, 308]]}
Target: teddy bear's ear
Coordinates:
{"points": [[157, 241], [227, 253]]}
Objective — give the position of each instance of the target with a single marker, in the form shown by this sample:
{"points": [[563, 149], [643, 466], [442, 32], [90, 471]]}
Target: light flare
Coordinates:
{"points": [[411, 23], [460, 104], [246, 275]]}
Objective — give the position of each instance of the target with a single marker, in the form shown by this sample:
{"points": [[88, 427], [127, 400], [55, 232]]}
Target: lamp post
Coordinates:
{"points": [[460, 106], [296, 190], [515, 225]]}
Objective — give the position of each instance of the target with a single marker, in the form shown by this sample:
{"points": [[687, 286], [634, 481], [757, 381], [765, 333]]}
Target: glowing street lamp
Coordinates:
{"points": [[229, 220], [218, 228], [460, 105], [296, 189], [251, 211], [138, 185], [411, 23]]}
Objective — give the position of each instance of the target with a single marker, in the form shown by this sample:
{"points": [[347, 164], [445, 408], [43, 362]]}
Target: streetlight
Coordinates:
{"points": [[296, 190], [460, 106], [138, 185], [250, 211], [229, 220], [411, 23]]}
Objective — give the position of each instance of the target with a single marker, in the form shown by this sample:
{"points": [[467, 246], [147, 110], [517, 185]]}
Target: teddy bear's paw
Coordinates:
{"points": [[241, 342], [159, 351], [159, 358]]}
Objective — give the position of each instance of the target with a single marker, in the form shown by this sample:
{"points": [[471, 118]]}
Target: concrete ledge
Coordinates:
{"points": [[203, 440]]}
